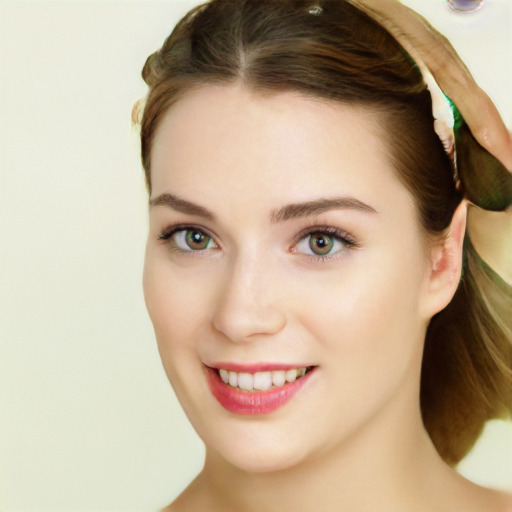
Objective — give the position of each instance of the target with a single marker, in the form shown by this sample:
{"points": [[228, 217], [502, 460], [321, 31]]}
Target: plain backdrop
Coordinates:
{"points": [[88, 421]]}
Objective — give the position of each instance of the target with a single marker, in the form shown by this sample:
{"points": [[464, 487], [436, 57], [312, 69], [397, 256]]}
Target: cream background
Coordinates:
{"points": [[87, 418]]}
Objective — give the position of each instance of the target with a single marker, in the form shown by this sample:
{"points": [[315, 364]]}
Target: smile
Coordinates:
{"points": [[262, 381], [256, 392]]}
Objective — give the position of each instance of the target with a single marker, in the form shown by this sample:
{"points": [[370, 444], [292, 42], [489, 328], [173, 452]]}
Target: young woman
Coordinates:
{"points": [[332, 321]]}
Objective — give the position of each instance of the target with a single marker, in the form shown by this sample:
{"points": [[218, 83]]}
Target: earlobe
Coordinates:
{"points": [[445, 264]]}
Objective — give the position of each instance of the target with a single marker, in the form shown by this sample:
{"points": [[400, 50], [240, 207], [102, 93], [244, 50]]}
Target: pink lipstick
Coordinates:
{"points": [[255, 401]]}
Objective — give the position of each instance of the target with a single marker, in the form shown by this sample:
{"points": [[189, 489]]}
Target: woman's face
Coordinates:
{"points": [[280, 239]]}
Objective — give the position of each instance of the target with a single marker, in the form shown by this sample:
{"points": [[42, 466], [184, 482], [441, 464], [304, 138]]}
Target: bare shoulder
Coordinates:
{"points": [[192, 499], [490, 500], [503, 501], [479, 499], [180, 504], [172, 507], [494, 501], [183, 503]]}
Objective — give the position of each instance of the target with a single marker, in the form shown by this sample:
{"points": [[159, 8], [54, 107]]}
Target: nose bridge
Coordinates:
{"points": [[249, 302]]}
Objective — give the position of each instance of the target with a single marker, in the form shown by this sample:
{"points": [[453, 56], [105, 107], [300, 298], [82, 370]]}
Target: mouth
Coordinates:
{"points": [[261, 381], [256, 392]]}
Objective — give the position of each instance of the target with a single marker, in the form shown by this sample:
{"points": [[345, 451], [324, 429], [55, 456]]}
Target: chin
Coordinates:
{"points": [[259, 457]]}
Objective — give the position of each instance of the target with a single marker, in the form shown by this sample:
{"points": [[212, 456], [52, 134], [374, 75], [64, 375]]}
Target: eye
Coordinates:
{"points": [[189, 239], [325, 242], [321, 243]]}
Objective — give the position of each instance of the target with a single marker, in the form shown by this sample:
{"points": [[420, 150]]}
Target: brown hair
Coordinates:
{"points": [[334, 51]]}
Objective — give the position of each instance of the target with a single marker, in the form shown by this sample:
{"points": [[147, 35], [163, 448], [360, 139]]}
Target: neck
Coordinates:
{"points": [[388, 464]]}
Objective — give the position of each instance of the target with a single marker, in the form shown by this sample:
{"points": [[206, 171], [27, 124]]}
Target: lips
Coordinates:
{"points": [[256, 389]]}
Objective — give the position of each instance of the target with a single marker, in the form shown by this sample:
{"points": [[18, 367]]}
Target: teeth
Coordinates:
{"points": [[233, 379], [262, 381], [224, 375], [278, 378], [246, 381], [291, 375]]}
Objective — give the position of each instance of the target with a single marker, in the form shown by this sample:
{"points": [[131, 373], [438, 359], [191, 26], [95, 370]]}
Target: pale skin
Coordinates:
{"points": [[255, 295], [491, 232], [352, 439]]}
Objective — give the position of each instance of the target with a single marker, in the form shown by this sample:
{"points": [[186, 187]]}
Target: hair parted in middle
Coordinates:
{"points": [[332, 50]]}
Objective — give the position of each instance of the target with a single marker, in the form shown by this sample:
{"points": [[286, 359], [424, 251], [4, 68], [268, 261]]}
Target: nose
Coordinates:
{"points": [[249, 304]]}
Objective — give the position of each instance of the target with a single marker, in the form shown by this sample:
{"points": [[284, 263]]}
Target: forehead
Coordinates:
{"points": [[224, 143]]}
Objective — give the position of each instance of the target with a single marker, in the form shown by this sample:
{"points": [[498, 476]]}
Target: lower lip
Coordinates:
{"points": [[253, 402]]}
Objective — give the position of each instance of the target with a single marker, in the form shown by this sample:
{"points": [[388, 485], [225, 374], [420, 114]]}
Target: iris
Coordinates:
{"points": [[321, 244], [197, 240]]}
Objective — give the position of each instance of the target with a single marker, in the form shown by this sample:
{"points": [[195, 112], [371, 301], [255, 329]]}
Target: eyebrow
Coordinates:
{"points": [[296, 210], [290, 211], [181, 205]]}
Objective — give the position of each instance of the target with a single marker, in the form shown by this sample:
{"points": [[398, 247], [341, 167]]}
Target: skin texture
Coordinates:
{"points": [[352, 438], [491, 232]]}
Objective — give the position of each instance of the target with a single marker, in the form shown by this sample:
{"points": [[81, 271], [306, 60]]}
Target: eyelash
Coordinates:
{"points": [[166, 235], [345, 238]]}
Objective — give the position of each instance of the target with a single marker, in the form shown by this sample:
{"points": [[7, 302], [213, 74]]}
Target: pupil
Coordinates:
{"points": [[320, 243], [196, 240]]}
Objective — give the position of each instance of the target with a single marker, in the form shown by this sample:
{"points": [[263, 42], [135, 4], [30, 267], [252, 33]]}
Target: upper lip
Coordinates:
{"points": [[255, 367]]}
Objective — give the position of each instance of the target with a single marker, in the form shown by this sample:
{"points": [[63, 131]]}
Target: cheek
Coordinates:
{"points": [[370, 343], [177, 304], [367, 316]]}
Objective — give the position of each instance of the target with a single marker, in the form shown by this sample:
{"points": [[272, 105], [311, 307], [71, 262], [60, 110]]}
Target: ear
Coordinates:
{"points": [[445, 265]]}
